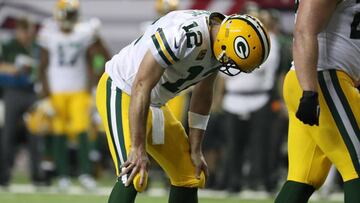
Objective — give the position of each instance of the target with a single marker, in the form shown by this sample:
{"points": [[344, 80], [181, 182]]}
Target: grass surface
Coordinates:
{"points": [[6, 197]]}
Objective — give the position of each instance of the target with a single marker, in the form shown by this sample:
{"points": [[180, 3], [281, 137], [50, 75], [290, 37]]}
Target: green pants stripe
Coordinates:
{"points": [[119, 125], [108, 113], [113, 108], [342, 114]]}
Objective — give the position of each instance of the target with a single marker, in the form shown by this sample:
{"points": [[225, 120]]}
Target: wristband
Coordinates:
{"points": [[198, 121]]}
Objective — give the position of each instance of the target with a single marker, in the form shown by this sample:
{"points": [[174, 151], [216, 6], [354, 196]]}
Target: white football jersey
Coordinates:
{"points": [[180, 43], [67, 70], [339, 43]]}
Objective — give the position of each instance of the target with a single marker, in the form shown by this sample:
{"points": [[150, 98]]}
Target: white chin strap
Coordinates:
{"points": [[220, 56]]}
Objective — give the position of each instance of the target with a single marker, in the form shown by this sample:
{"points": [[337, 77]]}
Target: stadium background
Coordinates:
{"points": [[121, 22]]}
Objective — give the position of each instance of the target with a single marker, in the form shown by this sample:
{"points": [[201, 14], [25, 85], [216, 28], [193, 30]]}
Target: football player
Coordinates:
{"points": [[65, 75], [182, 49], [322, 99]]}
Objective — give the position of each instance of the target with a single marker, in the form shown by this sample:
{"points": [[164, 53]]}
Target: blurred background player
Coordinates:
{"points": [[18, 62], [67, 76]]}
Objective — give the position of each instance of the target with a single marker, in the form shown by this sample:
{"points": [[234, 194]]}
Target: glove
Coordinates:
{"points": [[309, 110]]}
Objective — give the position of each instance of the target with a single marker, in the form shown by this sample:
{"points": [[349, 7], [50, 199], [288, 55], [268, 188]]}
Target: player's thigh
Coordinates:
{"points": [[174, 155], [79, 112], [339, 135], [177, 105], [59, 120], [110, 102], [307, 162]]}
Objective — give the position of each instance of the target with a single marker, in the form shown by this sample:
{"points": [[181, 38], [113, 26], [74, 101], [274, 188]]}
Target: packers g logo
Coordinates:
{"points": [[241, 47]]}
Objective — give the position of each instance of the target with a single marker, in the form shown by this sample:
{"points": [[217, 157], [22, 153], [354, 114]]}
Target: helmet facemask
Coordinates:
{"points": [[68, 18], [228, 66]]}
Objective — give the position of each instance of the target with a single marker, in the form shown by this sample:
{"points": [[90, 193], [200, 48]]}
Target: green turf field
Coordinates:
{"points": [[6, 197], [20, 194]]}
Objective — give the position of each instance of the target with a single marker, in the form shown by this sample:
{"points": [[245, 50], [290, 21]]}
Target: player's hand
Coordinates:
{"points": [[137, 162], [200, 164], [45, 106], [309, 110]]}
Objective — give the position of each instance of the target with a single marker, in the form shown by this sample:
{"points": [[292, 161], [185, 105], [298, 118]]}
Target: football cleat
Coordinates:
{"points": [[67, 13], [165, 6], [242, 43], [64, 184], [87, 182]]}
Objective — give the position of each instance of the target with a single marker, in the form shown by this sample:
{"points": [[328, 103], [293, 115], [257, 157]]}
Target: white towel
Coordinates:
{"points": [[158, 135]]}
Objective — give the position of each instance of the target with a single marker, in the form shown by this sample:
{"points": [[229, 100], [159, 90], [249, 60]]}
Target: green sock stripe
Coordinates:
{"points": [[61, 155], [83, 155], [119, 124], [108, 113], [183, 194], [48, 147], [295, 192], [325, 82], [351, 190], [120, 193]]}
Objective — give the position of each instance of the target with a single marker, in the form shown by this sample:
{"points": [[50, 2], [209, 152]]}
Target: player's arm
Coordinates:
{"points": [[96, 56], [44, 62], [200, 105], [98, 47], [101, 48], [147, 77], [219, 91], [312, 17]]}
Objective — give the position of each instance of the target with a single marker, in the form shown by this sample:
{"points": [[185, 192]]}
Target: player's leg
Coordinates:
{"points": [[308, 166], [340, 134], [60, 149], [174, 157], [9, 134], [79, 116], [110, 103]]}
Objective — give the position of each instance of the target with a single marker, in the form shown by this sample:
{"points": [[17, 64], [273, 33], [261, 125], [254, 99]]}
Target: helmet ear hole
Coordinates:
{"points": [[223, 47]]}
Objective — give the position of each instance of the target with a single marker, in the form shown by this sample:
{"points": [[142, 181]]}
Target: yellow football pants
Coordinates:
{"points": [[177, 105], [72, 112], [336, 140], [173, 156]]}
